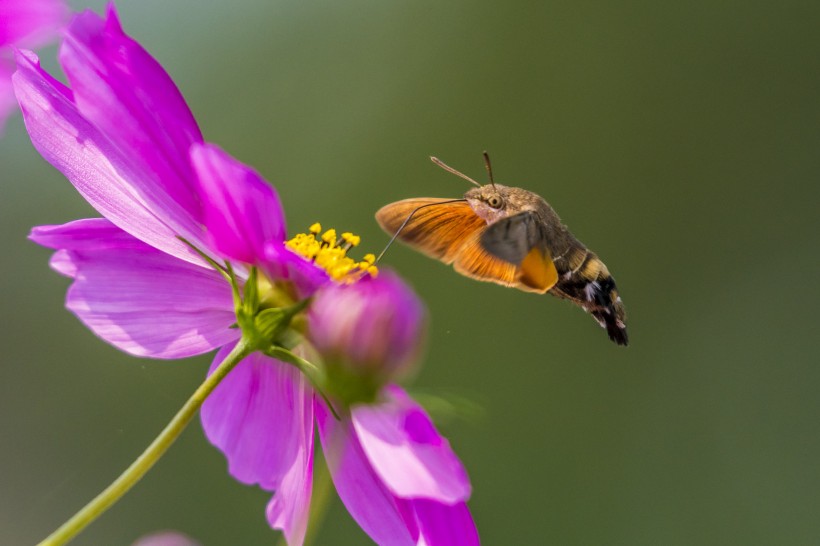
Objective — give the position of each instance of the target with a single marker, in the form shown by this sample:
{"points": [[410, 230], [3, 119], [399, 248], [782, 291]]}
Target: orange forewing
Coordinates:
{"points": [[536, 273], [438, 231], [451, 232], [475, 262]]}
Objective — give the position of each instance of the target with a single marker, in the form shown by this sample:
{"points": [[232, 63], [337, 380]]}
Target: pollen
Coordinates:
{"points": [[329, 236], [330, 253], [352, 240]]}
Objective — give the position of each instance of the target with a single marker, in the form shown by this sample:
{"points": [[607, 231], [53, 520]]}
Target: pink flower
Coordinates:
{"points": [[396, 475], [368, 334], [124, 137], [26, 23]]}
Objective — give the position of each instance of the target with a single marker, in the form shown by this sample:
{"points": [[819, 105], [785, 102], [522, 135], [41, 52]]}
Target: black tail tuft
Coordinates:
{"points": [[614, 326]]}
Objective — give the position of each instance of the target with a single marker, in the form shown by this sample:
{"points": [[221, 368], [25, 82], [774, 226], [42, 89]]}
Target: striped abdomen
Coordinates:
{"points": [[585, 280]]}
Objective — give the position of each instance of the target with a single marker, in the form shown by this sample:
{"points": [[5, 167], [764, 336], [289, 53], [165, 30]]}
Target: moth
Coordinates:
{"points": [[512, 237]]}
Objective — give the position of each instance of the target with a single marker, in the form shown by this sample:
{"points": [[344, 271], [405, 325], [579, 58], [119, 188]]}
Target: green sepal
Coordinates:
{"points": [[237, 297], [289, 338], [250, 297], [266, 327]]}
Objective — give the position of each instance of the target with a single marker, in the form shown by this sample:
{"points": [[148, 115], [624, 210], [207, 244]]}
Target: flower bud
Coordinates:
{"points": [[368, 332]]}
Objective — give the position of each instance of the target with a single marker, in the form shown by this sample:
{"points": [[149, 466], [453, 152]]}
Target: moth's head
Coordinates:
{"points": [[491, 202]]}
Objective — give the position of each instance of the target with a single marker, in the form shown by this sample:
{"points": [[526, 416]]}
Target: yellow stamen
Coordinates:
{"points": [[326, 254], [304, 244], [329, 237], [352, 240]]}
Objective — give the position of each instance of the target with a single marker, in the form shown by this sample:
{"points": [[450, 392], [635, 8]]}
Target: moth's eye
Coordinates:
{"points": [[495, 202]]}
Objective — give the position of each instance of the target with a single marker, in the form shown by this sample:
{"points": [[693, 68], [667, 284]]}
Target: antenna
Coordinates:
{"points": [[489, 167], [449, 169], [407, 221]]}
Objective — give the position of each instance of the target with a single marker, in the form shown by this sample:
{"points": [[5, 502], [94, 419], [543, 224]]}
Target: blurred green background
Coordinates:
{"points": [[677, 140]]}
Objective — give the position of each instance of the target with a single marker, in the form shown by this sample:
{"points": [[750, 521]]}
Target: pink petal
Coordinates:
{"points": [[127, 95], [8, 104], [289, 508], [385, 518], [260, 417], [407, 452], [86, 234], [241, 211], [282, 263], [119, 187], [140, 300], [443, 525], [30, 22]]}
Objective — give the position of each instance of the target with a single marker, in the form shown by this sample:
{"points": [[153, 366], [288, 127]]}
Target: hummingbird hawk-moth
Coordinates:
{"points": [[511, 237]]}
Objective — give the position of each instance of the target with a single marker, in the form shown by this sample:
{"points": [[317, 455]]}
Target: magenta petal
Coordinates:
{"points": [[282, 263], [117, 187], [385, 518], [30, 22], [407, 452], [86, 234], [241, 211], [443, 525], [261, 418], [140, 300], [128, 96], [289, 508]]}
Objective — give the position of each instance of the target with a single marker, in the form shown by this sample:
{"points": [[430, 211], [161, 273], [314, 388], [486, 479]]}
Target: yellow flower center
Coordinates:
{"points": [[330, 253]]}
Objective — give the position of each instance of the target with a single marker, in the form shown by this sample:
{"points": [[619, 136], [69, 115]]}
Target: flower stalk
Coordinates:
{"points": [[150, 456]]}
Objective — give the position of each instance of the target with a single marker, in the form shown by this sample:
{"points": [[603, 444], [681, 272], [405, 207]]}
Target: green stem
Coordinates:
{"points": [[320, 499], [150, 456]]}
